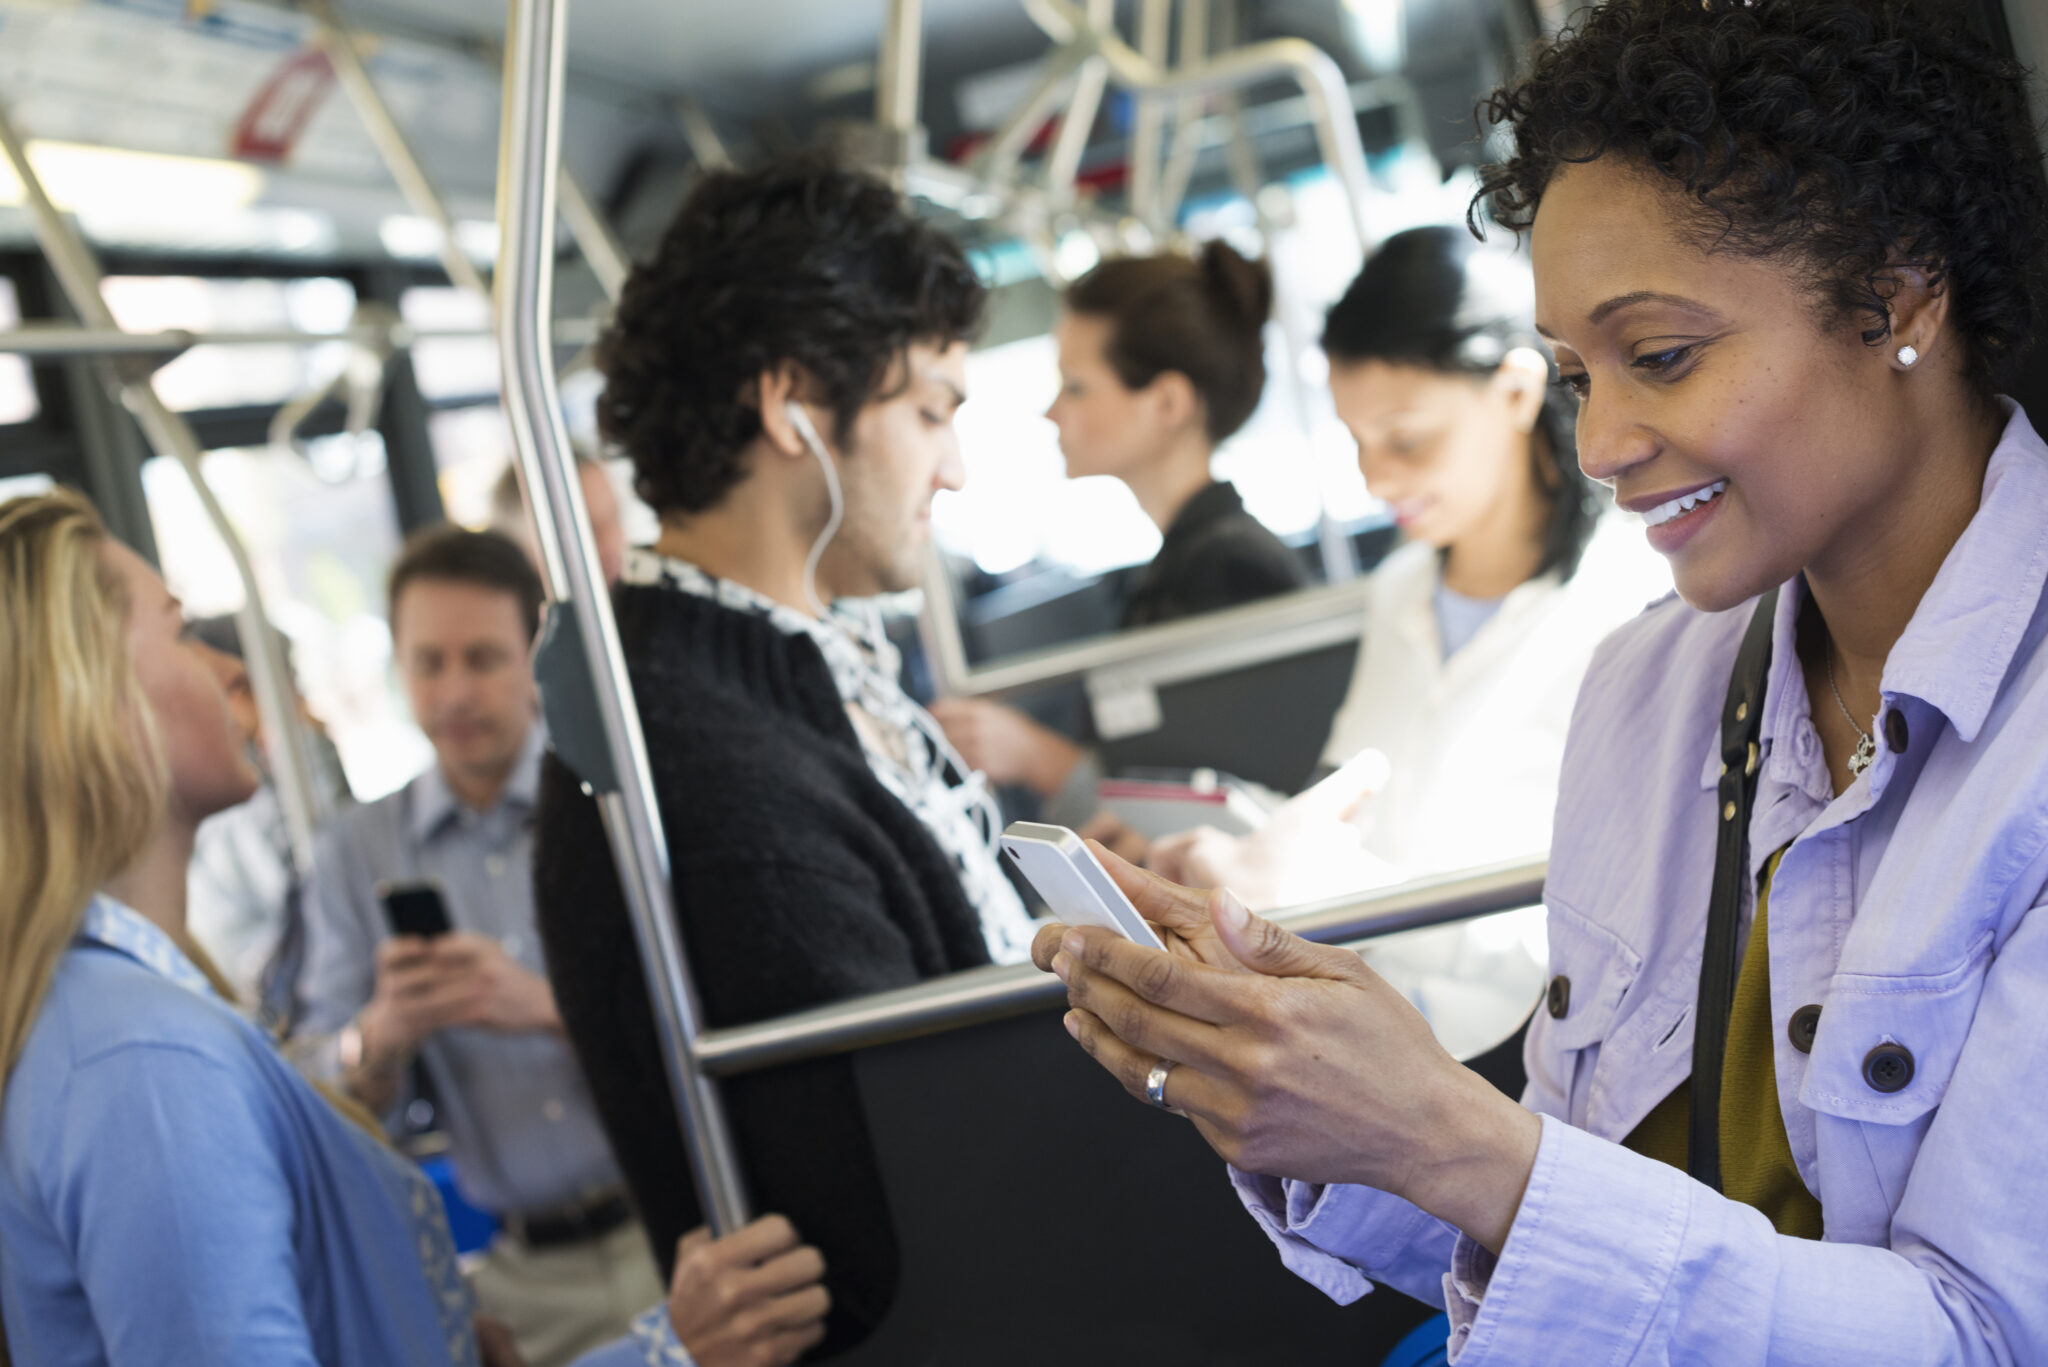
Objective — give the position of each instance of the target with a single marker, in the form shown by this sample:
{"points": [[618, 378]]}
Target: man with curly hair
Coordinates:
{"points": [[783, 374]]}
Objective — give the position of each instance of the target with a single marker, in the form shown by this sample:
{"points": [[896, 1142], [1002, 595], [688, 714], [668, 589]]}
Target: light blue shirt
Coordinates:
{"points": [[1459, 617], [1909, 908], [172, 1191], [522, 1129]]}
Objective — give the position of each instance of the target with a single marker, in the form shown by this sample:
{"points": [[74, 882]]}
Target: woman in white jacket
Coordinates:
{"points": [[1446, 750]]}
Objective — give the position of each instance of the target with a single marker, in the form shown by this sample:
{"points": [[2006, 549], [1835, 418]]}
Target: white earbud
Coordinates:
{"points": [[1908, 355], [808, 433]]}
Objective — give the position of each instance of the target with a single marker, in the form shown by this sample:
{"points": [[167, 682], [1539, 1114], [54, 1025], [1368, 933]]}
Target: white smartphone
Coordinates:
{"points": [[1072, 882]]}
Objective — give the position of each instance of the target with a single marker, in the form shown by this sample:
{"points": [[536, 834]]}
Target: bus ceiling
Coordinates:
{"points": [[242, 139]]}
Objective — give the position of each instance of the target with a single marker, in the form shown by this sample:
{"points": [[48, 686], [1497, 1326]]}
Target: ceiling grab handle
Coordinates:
{"points": [[167, 432], [529, 162], [1320, 79], [358, 384]]}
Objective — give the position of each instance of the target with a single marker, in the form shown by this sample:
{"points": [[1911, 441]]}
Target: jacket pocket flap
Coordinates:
{"points": [[1902, 1033], [1596, 968]]}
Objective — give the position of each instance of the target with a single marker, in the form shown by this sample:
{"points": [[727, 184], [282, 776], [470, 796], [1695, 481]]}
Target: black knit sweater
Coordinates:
{"points": [[798, 880]]}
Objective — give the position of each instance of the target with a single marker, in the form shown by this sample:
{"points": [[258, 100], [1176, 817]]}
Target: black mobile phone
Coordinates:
{"points": [[415, 909]]}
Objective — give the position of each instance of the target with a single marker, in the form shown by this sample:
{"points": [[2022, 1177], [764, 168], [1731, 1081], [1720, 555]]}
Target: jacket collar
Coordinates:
{"points": [[1960, 641], [112, 925]]}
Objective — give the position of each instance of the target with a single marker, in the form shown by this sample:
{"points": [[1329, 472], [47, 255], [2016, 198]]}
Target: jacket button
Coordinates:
{"points": [[1559, 999], [1805, 1021], [1896, 736], [1888, 1068]]}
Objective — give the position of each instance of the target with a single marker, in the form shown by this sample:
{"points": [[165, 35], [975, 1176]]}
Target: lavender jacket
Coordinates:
{"points": [[1905, 908]]}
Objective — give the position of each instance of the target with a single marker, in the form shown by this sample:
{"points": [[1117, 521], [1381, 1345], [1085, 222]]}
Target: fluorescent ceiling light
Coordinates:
{"points": [[478, 238], [88, 179], [1380, 29], [411, 238], [1076, 254]]}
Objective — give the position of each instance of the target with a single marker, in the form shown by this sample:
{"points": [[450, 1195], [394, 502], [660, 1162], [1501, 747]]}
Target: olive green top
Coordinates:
{"points": [[1756, 1157]]}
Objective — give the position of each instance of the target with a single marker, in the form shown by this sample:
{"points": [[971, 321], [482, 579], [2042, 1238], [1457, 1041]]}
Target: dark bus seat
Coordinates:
{"points": [[1267, 722], [1049, 609], [1043, 1216]]}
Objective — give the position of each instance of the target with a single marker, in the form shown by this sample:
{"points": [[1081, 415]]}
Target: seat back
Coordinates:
{"points": [[1043, 1216]]}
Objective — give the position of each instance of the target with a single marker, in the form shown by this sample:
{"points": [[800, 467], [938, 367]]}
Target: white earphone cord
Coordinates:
{"points": [[976, 801], [801, 421]]}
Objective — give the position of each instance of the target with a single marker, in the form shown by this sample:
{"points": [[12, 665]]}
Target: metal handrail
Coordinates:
{"points": [[390, 140], [899, 67], [602, 250], [63, 339], [535, 43], [168, 433], [1321, 80], [1232, 638], [988, 994]]}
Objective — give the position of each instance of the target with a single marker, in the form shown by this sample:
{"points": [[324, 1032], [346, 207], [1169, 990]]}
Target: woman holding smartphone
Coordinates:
{"points": [[1787, 1084], [1481, 625], [171, 1191]]}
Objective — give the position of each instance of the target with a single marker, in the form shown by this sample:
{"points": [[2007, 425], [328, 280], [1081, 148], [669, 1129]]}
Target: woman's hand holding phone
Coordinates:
{"points": [[1183, 917], [1292, 1059]]}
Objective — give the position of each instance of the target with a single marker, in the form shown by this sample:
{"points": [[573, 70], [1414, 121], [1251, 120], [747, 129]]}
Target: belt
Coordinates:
{"points": [[570, 1224]]}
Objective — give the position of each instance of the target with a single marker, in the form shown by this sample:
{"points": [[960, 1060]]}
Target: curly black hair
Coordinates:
{"points": [[801, 262], [1841, 136]]}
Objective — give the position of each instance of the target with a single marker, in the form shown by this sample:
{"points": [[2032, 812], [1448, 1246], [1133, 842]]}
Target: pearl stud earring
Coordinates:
{"points": [[1908, 355]]}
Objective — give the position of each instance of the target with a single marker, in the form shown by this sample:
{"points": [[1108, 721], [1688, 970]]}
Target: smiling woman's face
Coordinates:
{"points": [[1704, 371]]}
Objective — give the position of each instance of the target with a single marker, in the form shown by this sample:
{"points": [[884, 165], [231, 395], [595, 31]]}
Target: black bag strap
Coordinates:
{"points": [[1742, 715]]}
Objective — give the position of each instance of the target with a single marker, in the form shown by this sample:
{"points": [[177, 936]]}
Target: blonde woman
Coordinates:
{"points": [[170, 1190]]}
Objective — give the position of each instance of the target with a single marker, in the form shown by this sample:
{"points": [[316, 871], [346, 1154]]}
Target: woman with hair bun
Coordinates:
{"points": [[1787, 1085], [1162, 358]]}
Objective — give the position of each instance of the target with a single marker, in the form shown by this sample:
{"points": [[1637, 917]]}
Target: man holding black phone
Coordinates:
{"points": [[422, 945]]}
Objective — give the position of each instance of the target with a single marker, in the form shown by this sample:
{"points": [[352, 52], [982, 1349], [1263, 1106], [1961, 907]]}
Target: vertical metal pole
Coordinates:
{"points": [[1180, 165], [526, 215], [1336, 124], [939, 627], [1340, 561], [398, 155], [900, 67], [169, 434], [1155, 35], [1064, 163]]}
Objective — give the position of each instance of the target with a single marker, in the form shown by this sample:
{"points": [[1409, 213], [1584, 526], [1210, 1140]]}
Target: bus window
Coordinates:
{"points": [[24, 486], [18, 401], [471, 449], [321, 551], [1019, 511], [238, 376], [451, 367]]}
